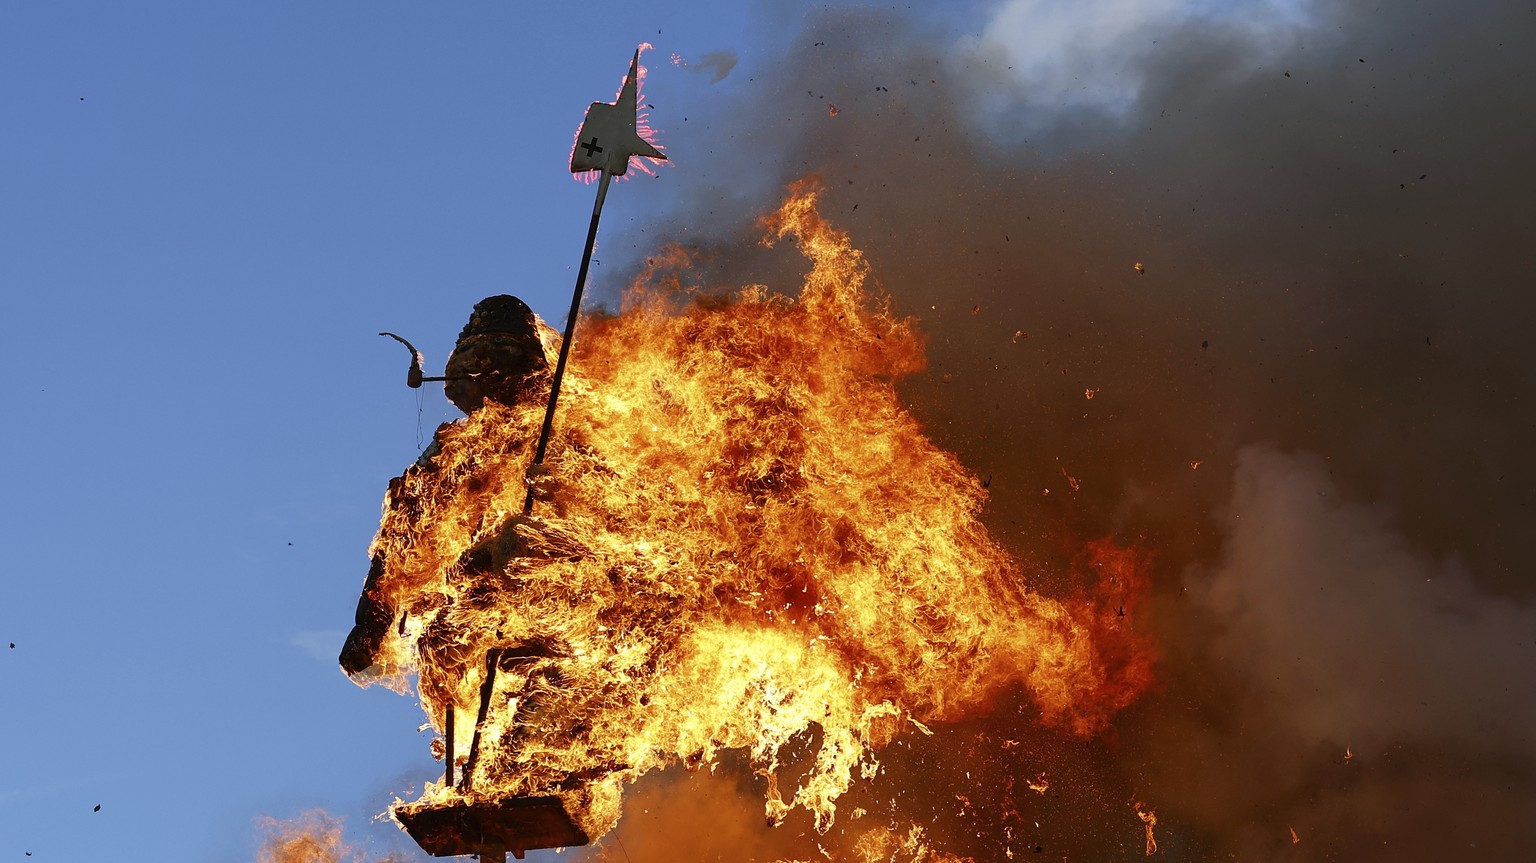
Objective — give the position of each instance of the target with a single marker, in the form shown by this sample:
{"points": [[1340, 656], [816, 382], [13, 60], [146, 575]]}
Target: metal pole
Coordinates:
{"points": [[570, 334]]}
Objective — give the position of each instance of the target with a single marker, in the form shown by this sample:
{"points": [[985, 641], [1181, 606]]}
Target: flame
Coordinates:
{"points": [[1149, 821], [643, 126], [1114, 587], [313, 837], [879, 846], [1072, 480], [886, 845], [743, 540]]}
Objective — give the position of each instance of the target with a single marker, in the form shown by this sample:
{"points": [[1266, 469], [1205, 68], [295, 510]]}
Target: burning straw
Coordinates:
{"points": [[745, 539]]}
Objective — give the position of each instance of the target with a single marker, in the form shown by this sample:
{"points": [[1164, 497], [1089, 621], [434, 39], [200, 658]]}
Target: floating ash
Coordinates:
{"points": [[743, 540]]}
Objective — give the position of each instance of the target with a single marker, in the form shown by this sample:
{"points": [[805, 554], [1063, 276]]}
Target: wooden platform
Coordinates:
{"points": [[491, 829]]}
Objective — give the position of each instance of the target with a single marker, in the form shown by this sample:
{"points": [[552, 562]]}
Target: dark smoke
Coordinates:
{"points": [[1290, 258], [717, 63]]}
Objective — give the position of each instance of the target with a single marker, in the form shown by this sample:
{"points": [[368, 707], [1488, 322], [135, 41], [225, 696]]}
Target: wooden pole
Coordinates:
{"points": [[570, 335], [448, 779]]}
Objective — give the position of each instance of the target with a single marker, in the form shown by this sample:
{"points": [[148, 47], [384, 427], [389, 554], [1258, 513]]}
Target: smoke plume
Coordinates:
{"points": [[1354, 636], [717, 63], [1248, 284]]}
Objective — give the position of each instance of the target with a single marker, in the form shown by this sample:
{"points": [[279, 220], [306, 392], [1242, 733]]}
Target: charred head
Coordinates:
{"points": [[498, 356]]}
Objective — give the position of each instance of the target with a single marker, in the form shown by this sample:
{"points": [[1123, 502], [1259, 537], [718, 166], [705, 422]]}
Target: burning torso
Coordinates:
{"points": [[742, 537]]}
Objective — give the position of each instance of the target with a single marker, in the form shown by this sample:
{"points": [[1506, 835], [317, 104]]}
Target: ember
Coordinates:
{"points": [[743, 539], [1149, 819]]}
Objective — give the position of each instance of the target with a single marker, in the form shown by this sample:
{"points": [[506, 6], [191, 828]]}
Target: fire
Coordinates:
{"points": [[884, 845], [743, 539], [1149, 821], [878, 846], [313, 837]]}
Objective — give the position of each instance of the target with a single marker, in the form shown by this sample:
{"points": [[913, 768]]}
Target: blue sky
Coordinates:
{"points": [[207, 211]]}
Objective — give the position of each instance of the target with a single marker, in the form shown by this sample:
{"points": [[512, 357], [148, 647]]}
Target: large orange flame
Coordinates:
{"points": [[744, 538], [313, 837]]}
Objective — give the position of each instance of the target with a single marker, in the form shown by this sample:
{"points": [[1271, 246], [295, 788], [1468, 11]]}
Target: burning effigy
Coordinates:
{"points": [[741, 538], [735, 538]]}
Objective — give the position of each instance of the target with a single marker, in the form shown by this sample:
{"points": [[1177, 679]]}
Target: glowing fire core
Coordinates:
{"points": [[742, 538]]}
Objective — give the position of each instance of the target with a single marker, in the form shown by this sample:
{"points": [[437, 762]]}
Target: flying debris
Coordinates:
{"points": [[1149, 821]]}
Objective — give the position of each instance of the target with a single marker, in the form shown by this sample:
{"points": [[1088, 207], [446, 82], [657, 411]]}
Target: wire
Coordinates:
{"points": [[420, 405]]}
